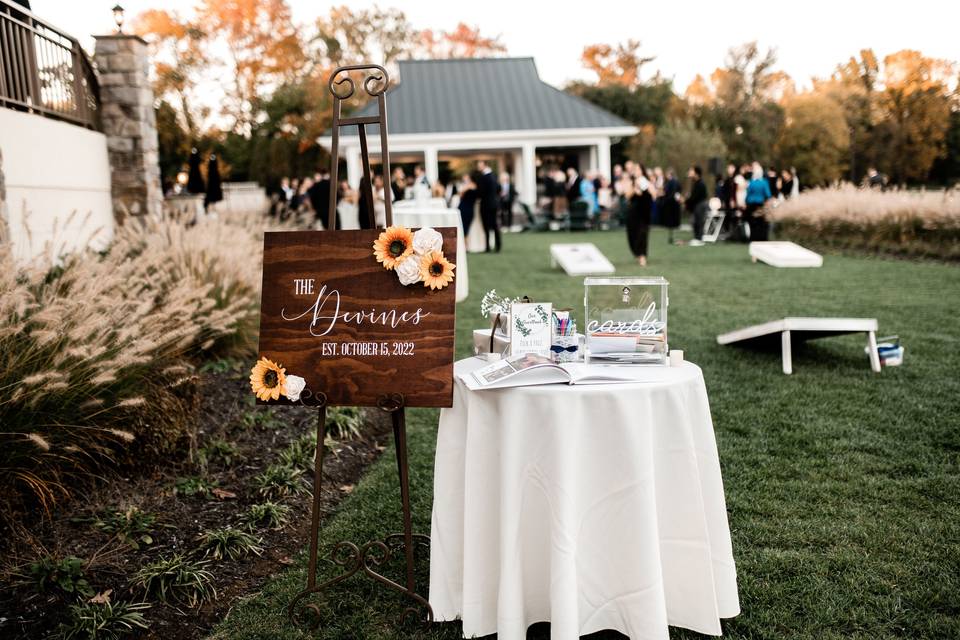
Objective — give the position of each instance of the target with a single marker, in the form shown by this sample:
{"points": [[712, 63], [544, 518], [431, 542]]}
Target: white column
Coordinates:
{"points": [[431, 165], [527, 175], [603, 157], [592, 162], [354, 168]]}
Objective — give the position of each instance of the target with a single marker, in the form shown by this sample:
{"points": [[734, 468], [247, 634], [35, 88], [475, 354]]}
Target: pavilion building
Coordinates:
{"points": [[493, 108]]}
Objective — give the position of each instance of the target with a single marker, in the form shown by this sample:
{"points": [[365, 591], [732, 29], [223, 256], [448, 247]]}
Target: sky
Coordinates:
{"points": [[687, 38]]}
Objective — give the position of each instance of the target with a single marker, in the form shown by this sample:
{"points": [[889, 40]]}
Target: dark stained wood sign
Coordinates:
{"points": [[333, 315]]}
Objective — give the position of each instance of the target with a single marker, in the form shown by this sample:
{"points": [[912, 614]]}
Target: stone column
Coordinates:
{"points": [[130, 124]]}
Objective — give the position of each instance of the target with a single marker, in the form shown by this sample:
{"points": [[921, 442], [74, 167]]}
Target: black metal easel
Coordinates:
{"points": [[367, 558]]}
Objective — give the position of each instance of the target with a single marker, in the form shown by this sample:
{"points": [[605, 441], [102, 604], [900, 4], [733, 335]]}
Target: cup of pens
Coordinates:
{"points": [[565, 345]]}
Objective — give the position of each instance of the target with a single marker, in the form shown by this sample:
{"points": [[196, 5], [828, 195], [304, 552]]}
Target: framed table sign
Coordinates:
{"points": [[531, 330], [333, 315]]}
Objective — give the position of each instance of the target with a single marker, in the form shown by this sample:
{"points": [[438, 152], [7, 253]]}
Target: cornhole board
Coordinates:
{"points": [[580, 259], [789, 330], [784, 254]]}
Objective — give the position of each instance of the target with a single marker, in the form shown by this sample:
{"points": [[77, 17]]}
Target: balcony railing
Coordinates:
{"points": [[45, 71]]}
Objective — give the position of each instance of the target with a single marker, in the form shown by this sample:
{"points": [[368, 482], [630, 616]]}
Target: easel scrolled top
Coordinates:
{"points": [[375, 84]]}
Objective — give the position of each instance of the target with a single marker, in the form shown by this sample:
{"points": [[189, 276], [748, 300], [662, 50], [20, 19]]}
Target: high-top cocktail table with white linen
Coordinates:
{"points": [[591, 506]]}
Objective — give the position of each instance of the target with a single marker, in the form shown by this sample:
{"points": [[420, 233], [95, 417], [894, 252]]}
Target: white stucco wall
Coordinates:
{"points": [[58, 185]]}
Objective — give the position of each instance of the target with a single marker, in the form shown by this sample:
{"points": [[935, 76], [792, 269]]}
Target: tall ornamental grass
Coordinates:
{"points": [[897, 222], [96, 353]]}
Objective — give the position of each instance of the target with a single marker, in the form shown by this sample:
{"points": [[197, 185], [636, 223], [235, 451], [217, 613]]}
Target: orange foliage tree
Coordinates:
{"points": [[619, 65], [463, 42], [264, 49]]}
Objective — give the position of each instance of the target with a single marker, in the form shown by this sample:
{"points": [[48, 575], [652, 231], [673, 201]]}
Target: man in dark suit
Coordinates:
{"points": [[319, 194], [488, 191]]}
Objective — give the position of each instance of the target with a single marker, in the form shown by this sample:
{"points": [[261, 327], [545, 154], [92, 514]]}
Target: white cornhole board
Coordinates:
{"points": [[802, 329], [580, 259], [784, 254]]}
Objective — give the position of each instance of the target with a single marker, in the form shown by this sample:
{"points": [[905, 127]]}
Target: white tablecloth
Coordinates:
{"points": [[410, 216], [591, 506]]}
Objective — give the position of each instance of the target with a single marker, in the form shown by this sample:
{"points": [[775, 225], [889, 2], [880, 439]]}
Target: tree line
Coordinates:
{"points": [[900, 114]]}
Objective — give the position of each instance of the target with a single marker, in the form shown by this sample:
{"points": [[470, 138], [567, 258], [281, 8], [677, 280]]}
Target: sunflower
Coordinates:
{"points": [[435, 270], [393, 246], [268, 379]]}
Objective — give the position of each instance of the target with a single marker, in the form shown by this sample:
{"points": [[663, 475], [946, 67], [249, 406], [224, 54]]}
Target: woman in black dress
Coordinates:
{"points": [[639, 207]]}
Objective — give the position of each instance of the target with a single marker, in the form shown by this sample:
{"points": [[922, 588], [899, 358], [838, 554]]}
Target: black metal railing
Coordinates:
{"points": [[44, 70]]}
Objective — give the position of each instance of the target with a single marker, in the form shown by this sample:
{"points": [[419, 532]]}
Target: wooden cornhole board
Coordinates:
{"points": [[580, 259], [788, 330], [784, 254]]}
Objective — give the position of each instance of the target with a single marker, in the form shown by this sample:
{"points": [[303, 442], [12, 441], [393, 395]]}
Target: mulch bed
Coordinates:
{"points": [[24, 613]]}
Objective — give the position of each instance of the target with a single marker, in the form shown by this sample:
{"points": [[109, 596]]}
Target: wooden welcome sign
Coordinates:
{"points": [[333, 315]]}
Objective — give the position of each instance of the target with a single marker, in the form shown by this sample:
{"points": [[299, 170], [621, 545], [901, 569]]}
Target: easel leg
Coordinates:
{"points": [[317, 478], [400, 439]]}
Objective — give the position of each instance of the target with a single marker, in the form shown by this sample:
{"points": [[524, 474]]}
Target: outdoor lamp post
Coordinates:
{"points": [[118, 17]]}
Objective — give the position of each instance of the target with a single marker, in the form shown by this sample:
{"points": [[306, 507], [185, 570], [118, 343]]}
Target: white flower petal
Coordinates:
{"points": [[294, 387], [426, 240], [408, 271]]}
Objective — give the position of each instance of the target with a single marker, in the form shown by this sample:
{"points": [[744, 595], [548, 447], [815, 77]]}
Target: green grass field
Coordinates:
{"points": [[843, 486]]}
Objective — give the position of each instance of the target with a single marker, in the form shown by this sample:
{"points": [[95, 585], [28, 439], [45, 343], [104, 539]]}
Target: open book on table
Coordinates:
{"points": [[531, 369]]}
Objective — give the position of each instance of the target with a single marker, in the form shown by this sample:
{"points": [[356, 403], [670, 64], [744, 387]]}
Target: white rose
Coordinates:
{"points": [[408, 271], [426, 240], [294, 387]]}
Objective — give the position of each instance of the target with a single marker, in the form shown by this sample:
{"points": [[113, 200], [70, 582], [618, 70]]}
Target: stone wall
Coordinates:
{"points": [[130, 124]]}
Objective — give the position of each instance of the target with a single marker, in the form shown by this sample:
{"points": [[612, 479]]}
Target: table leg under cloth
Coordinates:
{"points": [[594, 507]]}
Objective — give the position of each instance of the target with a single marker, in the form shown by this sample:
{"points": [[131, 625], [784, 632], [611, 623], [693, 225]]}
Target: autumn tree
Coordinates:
{"points": [[740, 102], [263, 46], [353, 36], [815, 139], [678, 145], [177, 48], [615, 65], [915, 108], [463, 42]]}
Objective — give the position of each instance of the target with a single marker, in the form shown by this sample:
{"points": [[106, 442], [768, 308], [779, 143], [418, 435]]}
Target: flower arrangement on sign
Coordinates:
{"points": [[269, 381], [414, 257]]}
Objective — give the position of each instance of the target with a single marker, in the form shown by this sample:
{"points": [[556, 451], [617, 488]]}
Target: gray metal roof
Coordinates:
{"points": [[486, 94]]}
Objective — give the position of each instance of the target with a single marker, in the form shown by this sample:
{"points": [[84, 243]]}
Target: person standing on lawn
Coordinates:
{"points": [[696, 203], [508, 194], [639, 200], [670, 216], [758, 193], [489, 204]]}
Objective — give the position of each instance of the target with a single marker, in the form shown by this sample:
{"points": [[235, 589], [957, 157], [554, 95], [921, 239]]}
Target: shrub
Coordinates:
{"points": [[67, 575], [133, 526], [280, 481], [193, 486], [271, 515], [106, 621], [95, 353], [300, 453], [178, 579], [261, 417], [217, 450], [344, 423], [909, 223], [228, 543]]}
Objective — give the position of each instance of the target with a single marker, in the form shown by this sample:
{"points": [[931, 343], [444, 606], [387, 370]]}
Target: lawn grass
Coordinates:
{"points": [[843, 486]]}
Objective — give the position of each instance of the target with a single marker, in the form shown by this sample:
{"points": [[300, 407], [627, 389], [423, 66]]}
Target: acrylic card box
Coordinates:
{"points": [[626, 320]]}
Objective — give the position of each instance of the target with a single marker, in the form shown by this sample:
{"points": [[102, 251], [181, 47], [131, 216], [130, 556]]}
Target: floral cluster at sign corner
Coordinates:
{"points": [[415, 257], [269, 381]]}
